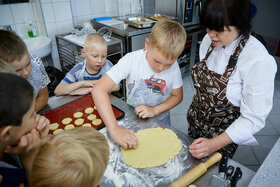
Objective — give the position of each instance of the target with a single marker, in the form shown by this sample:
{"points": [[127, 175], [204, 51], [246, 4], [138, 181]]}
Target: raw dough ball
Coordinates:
{"points": [[91, 117], [68, 127], [96, 122], [78, 114], [86, 125], [54, 126], [79, 121], [66, 121], [57, 131], [155, 147], [89, 110]]}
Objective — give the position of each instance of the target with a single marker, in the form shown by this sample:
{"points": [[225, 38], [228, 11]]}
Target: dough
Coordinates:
{"points": [[66, 121], [57, 131], [86, 125], [68, 127], [54, 126], [78, 114], [155, 147], [79, 121], [89, 110], [94, 107], [96, 122], [91, 117]]}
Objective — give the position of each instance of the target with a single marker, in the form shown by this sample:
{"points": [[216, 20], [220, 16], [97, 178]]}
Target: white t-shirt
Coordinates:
{"points": [[143, 85], [251, 86]]}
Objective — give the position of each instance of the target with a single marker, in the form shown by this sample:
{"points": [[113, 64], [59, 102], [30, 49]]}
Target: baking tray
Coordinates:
{"points": [[140, 22], [79, 105], [158, 17]]}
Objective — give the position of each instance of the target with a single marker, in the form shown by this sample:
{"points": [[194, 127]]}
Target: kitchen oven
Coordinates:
{"points": [[187, 11]]}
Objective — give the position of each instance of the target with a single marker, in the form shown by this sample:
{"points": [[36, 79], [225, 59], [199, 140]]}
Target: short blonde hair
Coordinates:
{"points": [[93, 39], [6, 68], [77, 157], [169, 38]]}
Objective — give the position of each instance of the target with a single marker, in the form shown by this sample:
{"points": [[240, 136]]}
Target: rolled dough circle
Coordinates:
{"points": [[66, 121], [86, 125], [89, 110], [54, 126], [68, 127], [79, 121], [78, 114], [91, 117], [96, 122], [155, 147], [57, 131]]}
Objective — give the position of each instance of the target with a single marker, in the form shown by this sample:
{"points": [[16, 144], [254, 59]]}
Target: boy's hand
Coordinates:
{"points": [[42, 126], [81, 91], [89, 83], [26, 143], [144, 111], [124, 137]]}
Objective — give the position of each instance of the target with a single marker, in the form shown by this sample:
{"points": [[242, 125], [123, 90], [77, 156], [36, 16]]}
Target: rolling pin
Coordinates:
{"points": [[196, 172]]}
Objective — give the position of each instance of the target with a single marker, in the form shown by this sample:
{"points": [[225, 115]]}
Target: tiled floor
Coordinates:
{"points": [[249, 156]]}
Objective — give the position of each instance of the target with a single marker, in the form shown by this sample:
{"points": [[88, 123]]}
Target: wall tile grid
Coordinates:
{"points": [[19, 15]]}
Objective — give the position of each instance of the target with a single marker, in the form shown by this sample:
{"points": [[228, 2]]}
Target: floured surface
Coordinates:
{"points": [[155, 147]]}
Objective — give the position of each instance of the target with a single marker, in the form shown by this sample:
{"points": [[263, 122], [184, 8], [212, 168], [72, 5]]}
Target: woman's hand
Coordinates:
{"points": [[144, 111], [201, 148]]}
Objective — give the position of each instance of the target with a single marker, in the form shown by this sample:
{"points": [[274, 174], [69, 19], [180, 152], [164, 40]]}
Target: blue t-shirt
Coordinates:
{"points": [[79, 73]]}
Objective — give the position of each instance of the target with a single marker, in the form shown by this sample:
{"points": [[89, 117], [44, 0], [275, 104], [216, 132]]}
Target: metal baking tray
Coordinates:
{"points": [[158, 17], [140, 22]]}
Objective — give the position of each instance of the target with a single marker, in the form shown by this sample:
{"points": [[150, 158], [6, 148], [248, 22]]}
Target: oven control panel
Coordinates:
{"points": [[188, 13]]}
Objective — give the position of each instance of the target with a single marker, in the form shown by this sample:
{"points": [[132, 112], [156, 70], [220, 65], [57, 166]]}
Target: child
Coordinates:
{"points": [[14, 51], [20, 129], [153, 80], [77, 157], [6, 68], [83, 76]]}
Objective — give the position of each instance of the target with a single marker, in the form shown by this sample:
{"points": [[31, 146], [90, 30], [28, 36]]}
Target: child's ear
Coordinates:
{"points": [[5, 133], [83, 53], [147, 41]]}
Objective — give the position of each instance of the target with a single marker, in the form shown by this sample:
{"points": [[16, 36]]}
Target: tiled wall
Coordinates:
{"points": [[18, 16]]}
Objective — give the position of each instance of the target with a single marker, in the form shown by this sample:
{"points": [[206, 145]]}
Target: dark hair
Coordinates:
{"points": [[12, 47], [216, 14], [16, 97]]}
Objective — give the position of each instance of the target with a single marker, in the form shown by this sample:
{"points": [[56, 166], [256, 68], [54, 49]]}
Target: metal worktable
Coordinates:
{"points": [[119, 174]]}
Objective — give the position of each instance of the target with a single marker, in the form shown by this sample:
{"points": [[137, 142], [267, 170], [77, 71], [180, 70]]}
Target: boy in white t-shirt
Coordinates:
{"points": [[153, 80]]}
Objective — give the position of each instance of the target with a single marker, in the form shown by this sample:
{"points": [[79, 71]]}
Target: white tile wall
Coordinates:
{"points": [[62, 11], [6, 17], [48, 12], [22, 12]]}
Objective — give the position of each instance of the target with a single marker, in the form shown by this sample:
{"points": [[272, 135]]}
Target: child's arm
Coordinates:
{"points": [[176, 97], [42, 98], [121, 136], [63, 89]]}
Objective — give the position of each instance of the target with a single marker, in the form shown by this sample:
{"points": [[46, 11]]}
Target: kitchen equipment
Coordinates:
{"points": [[158, 17], [229, 172], [187, 11], [236, 176], [223, 165], [106, 32], [220, 179], [140, 22], [196, 172], [79, 105]]}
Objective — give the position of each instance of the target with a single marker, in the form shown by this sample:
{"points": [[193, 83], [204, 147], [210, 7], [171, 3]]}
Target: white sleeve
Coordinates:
{"points": [[256, 102], [206, 42], [177, 77], [120, 70]]}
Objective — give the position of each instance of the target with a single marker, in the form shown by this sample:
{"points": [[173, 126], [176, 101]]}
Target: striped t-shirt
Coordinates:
{"points": [[78, 73]]}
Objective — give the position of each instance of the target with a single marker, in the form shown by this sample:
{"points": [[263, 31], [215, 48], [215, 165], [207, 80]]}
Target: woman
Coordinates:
{"points": [[234, 81]]}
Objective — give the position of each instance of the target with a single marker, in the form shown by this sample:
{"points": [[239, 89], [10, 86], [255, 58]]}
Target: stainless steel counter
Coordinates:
{"points": [[119, 174]]}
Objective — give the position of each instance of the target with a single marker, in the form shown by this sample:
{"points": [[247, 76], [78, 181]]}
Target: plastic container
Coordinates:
{"points": [[32, 30]]}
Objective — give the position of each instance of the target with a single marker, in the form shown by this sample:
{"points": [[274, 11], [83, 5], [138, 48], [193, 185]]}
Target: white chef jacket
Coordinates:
{"points": [[250, 87]]}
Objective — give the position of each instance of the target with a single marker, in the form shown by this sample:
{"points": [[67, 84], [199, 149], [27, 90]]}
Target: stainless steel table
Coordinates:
{"points": [[119, 174]]}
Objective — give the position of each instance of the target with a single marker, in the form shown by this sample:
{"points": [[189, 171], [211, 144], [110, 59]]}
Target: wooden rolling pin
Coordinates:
{"points": [[196, 172]]}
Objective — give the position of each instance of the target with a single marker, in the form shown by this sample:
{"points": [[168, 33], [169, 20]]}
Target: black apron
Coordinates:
{"points": [[211, 113]]}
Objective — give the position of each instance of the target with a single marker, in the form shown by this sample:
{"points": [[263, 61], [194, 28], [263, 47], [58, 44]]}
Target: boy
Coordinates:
{"points": [[153, 80], [6, 68], [14, 51], [77, 157], [83, 76], [20, 129]]}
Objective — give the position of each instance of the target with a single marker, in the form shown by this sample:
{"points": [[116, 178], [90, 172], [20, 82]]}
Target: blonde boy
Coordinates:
{"points": [[83, 76], [14, 51], [20, 129], [6, 68], [77, 157], [153, 80]]}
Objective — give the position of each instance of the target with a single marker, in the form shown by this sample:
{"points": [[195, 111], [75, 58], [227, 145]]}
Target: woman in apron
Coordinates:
{"points": [[234, 81]]}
